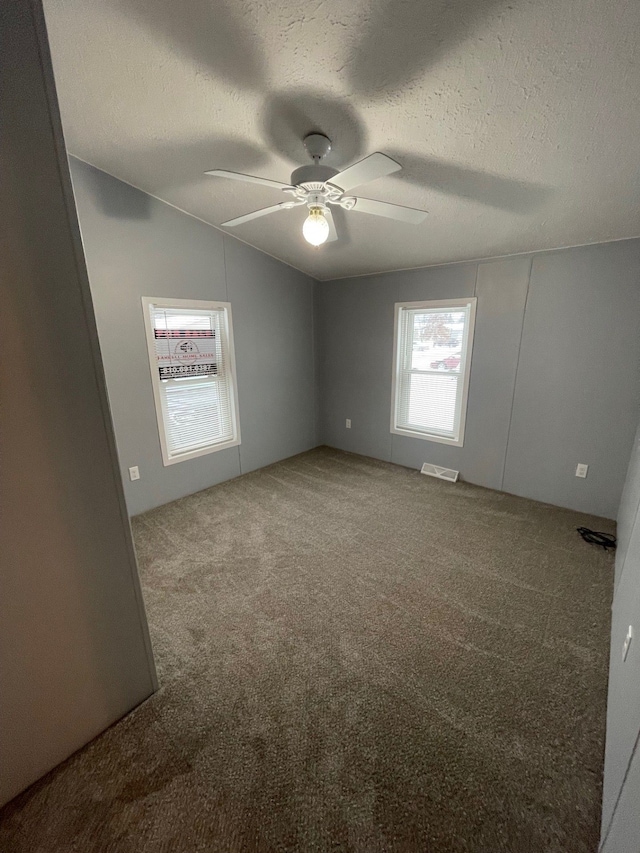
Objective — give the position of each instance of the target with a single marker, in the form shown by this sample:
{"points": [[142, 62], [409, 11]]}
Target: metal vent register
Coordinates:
{"points": [[441, 473]]}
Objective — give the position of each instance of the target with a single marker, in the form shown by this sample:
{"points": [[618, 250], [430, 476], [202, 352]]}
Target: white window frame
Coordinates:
{"points": [[162, 302], [465, 365]]}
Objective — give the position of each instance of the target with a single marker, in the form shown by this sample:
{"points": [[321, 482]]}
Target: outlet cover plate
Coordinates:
{"points": [[627, 643]]}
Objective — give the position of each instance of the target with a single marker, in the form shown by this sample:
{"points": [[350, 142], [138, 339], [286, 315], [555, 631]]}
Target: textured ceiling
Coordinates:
{"points": [[517, 123]]}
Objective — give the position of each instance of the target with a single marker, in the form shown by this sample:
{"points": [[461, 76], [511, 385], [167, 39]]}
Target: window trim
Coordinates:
{"points": [[202, 305], [471, 302]]}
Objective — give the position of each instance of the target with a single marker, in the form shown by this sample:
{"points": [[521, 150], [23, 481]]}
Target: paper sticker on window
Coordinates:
{"points": [[185, 352]]}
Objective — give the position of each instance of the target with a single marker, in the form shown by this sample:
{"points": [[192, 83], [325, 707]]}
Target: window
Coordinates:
{"points": [[193, 374], [432, 356]]}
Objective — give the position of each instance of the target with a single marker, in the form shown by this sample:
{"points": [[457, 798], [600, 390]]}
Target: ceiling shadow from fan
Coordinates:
{"points": [[184, 161], [402, 39], [508, 194], [207, 33], [289, 116]]}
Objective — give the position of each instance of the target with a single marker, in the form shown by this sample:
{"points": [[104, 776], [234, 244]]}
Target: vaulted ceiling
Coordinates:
{"points": [[517, 122]]}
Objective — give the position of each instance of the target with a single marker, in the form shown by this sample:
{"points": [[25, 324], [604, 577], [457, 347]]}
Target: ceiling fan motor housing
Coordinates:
{"points": [[312, 174]]}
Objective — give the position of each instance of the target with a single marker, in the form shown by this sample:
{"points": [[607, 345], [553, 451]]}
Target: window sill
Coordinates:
{"points": [[425, 436], [203, 451]]}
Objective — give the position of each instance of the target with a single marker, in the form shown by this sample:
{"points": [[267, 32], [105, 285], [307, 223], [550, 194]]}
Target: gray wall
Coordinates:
{"points": [[137, 246], [554, 375], [622, 757], [74, 649], [623, 835]]}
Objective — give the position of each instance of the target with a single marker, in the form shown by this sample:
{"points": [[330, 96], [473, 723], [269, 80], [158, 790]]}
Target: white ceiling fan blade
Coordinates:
{"points": [[390, 211], [258, 213], [374, 166], [250, 179], [333, 234]]}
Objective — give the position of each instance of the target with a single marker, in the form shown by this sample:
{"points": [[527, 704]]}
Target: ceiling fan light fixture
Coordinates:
{"points": [[316, 228]]}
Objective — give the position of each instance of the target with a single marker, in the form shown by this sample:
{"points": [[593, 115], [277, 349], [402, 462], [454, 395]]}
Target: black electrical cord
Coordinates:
{"points": [[606, 540]]}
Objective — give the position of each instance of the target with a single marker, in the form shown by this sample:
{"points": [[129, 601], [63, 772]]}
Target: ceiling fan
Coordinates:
{"points": [[317, 186]]}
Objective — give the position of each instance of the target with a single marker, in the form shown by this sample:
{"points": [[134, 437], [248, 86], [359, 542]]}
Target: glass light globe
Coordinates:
{"points": [[316, 228]]}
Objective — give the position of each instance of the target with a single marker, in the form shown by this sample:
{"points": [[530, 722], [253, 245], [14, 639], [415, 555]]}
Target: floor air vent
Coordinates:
{"points": [[442, 473]]}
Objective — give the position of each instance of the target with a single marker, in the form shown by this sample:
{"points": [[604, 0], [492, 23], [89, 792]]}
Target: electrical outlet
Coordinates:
{"points": [[627, 643], [581, 470], [134, 473], [348, 423]]}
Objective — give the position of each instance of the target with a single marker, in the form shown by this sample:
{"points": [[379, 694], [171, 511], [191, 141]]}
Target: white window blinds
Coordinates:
{"points": [[432, 360], [190, 349]]}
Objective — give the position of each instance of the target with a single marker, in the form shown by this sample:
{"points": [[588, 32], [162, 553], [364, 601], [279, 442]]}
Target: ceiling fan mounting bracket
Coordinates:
{"points": [[347, 202], [287, 205], [318, 146]]}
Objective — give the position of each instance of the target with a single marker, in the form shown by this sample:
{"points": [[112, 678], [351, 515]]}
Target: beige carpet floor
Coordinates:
{"points": [[354, 658]]}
